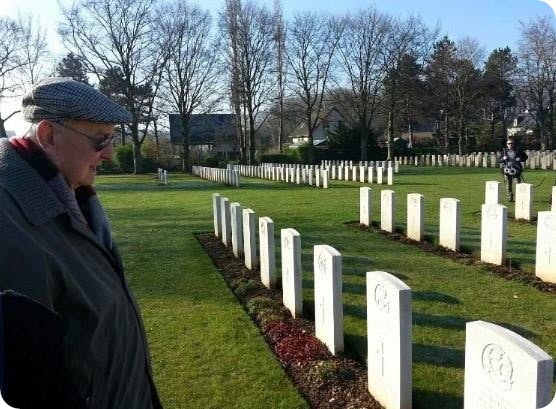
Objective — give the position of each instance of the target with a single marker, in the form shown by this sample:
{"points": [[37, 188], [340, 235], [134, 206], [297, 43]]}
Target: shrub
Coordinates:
{"points": [[329, 370], [246, 288], [124, 158], [300, 348]]}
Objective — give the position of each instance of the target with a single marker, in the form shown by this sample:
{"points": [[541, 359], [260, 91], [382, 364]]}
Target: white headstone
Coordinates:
{"points": [[292, 289], [503, 370], [346, 173], [267, 252], [329, 314], [379, 174], [523, 201], [494, 232], [362, 174], [250, 238], [217, 212], [325, 179], [390, 177], [415, 216], [237, 229], [226, 221], [354, 174], [450, 223], [545, 265], [492, 192], [365, 206], [553, 206], [371, 174], [387, 210], [389, 340]]}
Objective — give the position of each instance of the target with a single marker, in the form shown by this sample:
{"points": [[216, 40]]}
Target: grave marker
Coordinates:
{"points": [[249, 238], [329, 319], [237, 229], [503, 370], [389, 355], [494, 233], [415, 216], [267, 252], [365, 203], [545, 260], [292, 290], [450, 219], [387, 210]]}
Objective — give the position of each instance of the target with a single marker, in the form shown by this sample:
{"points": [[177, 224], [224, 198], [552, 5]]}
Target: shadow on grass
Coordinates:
{"points": [[429, 399], [439, 321], [438, 355], [434, 296]]}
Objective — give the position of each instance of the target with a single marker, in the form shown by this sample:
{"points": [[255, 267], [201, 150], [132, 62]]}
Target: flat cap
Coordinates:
{"points": [[61, 99]]}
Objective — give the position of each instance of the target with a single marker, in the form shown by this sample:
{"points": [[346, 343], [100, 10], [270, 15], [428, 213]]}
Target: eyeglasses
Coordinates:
{"points": [[99, 145], [509, 143]]}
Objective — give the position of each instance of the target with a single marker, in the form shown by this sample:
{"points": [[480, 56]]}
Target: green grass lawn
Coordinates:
{"points": [[206, 352]]}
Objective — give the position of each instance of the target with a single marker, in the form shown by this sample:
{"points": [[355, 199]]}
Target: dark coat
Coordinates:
{"points": [[59, 263], [517, 162]]}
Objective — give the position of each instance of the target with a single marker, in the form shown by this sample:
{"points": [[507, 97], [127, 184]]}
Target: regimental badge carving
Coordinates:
{"points": [[447, 206], [522, 188], [262, 227], [322, 263], [381, 298], [414, 201], [550, 223], [492, 214], [497, 364]]}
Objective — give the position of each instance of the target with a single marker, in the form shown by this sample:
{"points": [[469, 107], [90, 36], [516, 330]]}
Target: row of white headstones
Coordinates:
{"points": [[299, 174], [502, 369], [228, 176], [536, 159], [494, 225], [163, 176]]}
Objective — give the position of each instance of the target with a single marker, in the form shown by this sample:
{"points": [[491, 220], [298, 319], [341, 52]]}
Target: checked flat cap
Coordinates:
{"points": [[61, 99]]}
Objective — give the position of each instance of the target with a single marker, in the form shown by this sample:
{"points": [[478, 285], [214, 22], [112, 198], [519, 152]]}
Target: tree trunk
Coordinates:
{"points": [[390, 135], [3, 133], [137, 158], [251, 139], [363, 140]]}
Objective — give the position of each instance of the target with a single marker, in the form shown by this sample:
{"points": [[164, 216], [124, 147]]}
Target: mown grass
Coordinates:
{"points": [[188, 310]]}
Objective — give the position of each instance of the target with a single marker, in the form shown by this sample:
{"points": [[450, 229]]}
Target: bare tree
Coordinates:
{"points": [[280, 39], [249, 30], [407, 37], [361, 59], [23, 55], [229, 28], [118, 36], [536, 75], [311, 44], [190, 75]]}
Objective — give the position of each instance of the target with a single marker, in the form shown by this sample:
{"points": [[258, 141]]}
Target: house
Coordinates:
{"points": [[209, 134], [329, 123], [523, 124], [423, 132]]}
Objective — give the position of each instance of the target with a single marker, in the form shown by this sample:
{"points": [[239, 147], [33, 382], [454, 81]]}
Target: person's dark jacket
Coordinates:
{"points": [[515, 157], [59, 263]]}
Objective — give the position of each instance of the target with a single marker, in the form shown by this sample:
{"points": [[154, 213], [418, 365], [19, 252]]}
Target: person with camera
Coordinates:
{"points": [[512, 164]]}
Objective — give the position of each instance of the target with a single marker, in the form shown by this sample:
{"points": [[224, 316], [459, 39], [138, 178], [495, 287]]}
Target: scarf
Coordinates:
{"points": [[82, 204]]}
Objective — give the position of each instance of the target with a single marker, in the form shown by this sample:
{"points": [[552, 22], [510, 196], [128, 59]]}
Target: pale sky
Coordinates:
{"points": [[493, 23]]}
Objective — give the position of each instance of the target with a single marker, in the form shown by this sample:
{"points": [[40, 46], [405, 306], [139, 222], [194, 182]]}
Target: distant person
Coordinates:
{"points": [[72, 331], [512, 163]]}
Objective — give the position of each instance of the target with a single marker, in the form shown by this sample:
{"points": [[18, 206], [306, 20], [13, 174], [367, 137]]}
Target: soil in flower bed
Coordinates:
{"points": [[509, 272], [326, 381]]}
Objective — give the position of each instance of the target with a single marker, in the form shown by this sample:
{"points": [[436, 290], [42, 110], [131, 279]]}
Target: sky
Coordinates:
{"points": [[493, 23]]}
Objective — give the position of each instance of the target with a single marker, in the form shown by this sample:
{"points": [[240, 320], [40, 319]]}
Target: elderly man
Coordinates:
{"points": [[72, 331]]}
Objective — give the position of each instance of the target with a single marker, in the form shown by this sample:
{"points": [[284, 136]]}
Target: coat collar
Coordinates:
{"points": [[36, 199]]}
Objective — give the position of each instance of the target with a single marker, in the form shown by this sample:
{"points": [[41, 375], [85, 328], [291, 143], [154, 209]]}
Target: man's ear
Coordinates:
{"points": [[45, 135]]}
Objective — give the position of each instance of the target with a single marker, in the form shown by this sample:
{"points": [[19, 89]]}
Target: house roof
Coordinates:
{"points": [[204, 129]]}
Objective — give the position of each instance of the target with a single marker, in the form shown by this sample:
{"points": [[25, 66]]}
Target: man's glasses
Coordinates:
{"points": [[98, 145]]}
